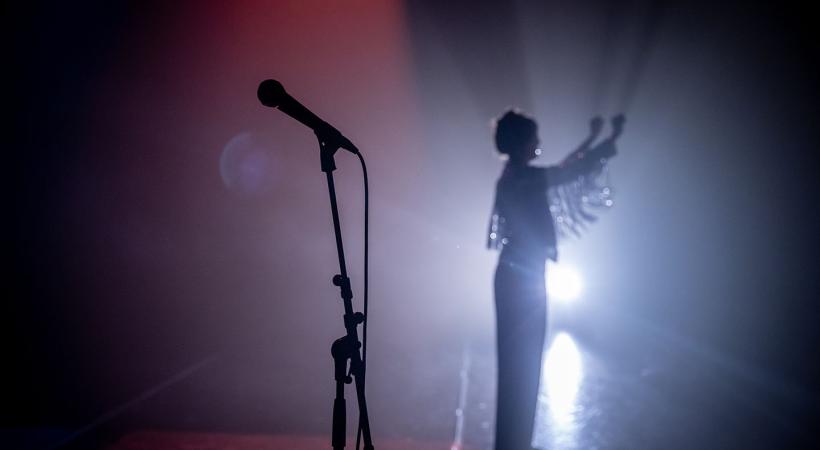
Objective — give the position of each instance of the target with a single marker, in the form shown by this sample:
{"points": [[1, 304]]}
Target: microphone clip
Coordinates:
{"points": [[327, 149]]}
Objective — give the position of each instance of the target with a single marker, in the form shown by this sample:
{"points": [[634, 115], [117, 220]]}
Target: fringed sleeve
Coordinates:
{"points": [[579, 185]]}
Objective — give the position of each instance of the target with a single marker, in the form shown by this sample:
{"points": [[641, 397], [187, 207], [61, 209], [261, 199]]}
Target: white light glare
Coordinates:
{"points": [[562, 374], [563, 282]]}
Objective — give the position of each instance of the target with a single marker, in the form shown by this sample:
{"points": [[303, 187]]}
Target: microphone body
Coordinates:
{"points": [[272, 94]]}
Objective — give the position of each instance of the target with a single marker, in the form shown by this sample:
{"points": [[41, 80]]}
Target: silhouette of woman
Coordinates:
{"points": [[523, 227]]}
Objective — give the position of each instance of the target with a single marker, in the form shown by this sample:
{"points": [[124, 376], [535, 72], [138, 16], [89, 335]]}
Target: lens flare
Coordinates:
{"points": [[247, 165], [563, 283]]}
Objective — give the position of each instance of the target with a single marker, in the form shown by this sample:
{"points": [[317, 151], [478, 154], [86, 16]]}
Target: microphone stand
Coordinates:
{"points": [[346, 347]]}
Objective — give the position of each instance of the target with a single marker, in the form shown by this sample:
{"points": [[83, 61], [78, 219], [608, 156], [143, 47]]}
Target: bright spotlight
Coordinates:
{"points": [[563, 282]]}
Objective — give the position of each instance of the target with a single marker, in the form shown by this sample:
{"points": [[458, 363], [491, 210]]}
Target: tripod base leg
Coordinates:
{"points": [[339, 424]]}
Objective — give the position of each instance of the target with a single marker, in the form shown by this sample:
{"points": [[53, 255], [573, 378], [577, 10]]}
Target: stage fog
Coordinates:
{"points": [[173, 249]]}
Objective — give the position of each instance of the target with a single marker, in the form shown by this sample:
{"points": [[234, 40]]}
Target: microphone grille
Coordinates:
{"points": [[271, 93]]}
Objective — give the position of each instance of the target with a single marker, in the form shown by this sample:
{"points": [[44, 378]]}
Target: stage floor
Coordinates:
{"points": [[648, 391], [592, 395]]}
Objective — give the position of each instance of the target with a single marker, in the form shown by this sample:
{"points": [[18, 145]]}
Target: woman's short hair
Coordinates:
{"points": [[512, 131]]}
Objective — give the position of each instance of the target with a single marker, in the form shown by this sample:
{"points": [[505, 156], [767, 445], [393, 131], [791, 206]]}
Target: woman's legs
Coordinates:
{"points": [[521, 326]]}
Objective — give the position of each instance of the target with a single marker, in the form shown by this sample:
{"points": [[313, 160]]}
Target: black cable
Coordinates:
{"points": [[366, 251]]}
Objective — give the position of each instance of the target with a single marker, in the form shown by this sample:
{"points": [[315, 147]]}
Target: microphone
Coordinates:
{"points": [[272, 94]]}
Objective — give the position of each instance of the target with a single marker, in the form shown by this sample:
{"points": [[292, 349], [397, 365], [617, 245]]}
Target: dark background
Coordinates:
{"points": [[132, 256]]}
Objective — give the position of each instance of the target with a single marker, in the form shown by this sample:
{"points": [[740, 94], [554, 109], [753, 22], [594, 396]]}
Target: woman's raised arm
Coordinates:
{"points": [[585, 160]]}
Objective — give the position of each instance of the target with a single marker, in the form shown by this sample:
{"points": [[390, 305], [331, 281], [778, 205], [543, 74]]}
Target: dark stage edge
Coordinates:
{"points": [[162, 440]]}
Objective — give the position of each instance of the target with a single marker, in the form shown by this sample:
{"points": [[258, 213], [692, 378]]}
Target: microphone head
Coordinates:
{"points": [[271, 93]]}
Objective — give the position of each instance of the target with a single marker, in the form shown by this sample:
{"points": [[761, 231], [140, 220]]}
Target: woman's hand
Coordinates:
{"points": [[617, 123], [596, 124]]}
